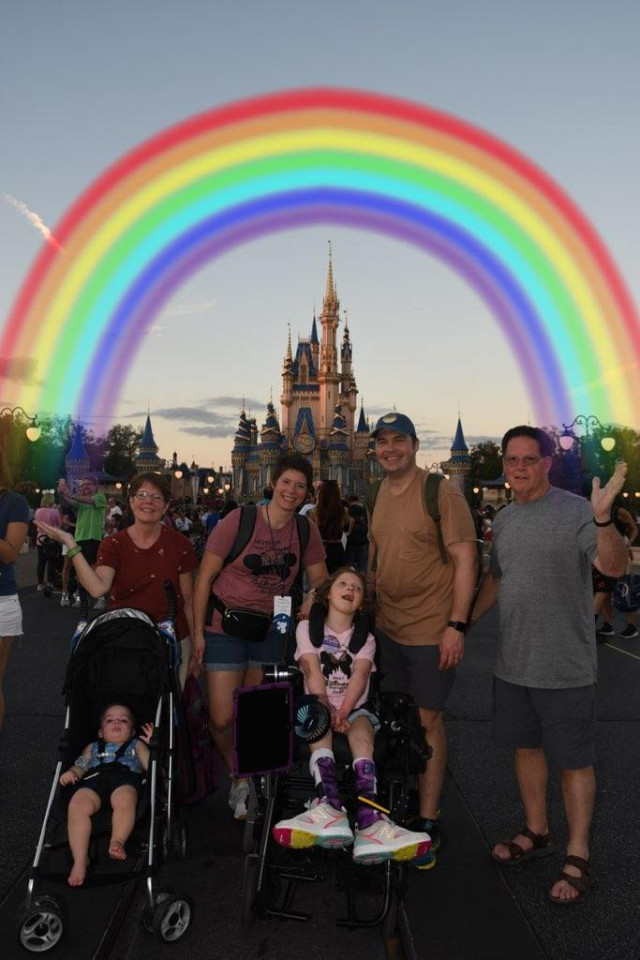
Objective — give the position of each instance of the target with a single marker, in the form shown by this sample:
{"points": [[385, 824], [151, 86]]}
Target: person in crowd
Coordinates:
{"points": [[48, 512], [109, 770], [336, 665], [265, 571], [113, 508], [422, 603], [182, 522], [90, 507], [328, 515], [357, 535], [310, 500], [133, 564], [14, 526], [604, 586], [67, 523], [544, 688]]}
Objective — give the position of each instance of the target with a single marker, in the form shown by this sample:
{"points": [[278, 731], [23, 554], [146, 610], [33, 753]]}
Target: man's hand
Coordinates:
{"points": [[602, 497], [451, 649]]}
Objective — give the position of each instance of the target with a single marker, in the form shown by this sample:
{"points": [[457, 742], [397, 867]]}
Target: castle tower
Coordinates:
{"points": [[147, 458], [328, 375], [239, 455], [270, 445], [76, 462], [458, 466]]}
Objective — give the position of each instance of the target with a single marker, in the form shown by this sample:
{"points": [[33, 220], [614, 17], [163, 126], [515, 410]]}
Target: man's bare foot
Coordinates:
{"points": [[564, 890], [78, 873], [501, 850], [117, 851]]}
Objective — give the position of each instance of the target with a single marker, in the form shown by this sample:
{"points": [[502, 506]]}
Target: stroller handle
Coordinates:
{"points": [[172, 599]]}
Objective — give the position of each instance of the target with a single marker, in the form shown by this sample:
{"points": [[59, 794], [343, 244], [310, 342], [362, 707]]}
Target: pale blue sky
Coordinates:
{"points": [[84, 81]]}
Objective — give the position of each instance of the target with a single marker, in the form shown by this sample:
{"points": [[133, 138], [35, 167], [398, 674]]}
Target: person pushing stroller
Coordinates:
{"points": [[336, 660], [109, 769]]}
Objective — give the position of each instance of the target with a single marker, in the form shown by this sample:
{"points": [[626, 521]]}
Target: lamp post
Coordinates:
{"points": [[9, 416], [587, 453]]}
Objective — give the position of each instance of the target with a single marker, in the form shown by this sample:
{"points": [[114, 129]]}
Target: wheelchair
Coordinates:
{"points": [[273, 725]]}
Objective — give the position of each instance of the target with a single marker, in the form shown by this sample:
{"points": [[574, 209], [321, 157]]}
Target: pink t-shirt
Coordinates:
{"points": [[46, 515], [255, 577], [335, 660]]}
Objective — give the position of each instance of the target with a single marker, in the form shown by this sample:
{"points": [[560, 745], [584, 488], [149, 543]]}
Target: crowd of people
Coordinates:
{"points": [[412, 555]]}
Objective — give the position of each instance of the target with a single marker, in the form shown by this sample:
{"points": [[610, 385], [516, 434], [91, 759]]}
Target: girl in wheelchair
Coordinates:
{"points": [[335, 653]]}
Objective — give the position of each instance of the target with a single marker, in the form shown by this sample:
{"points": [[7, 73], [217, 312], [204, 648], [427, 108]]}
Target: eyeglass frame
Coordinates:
{"points": [[528, 461], [145, 495]]}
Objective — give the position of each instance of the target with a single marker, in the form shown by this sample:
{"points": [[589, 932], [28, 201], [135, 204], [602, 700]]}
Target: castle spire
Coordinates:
{"points": [[289, 356]]}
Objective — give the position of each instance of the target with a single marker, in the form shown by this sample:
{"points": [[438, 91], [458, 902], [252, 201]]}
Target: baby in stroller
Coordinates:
{"points": [[110, 769], [335, 653]]}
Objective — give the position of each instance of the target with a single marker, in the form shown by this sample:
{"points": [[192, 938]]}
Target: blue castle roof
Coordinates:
{"points": [[77, 450]]}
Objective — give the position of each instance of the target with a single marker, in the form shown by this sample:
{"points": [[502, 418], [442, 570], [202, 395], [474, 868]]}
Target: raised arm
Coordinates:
{"points": [[96, 582]]}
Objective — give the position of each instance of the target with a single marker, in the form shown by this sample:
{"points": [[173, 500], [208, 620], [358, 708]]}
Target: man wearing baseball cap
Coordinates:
{"points": [[422, 602]]}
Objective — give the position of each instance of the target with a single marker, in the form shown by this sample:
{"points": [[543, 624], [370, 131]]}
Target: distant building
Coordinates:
{"points": [[458, 466], [318, 413]]}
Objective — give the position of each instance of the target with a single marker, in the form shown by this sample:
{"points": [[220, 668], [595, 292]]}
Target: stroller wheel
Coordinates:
{"points": [[47, 590], [171, 918], [42, 927]]}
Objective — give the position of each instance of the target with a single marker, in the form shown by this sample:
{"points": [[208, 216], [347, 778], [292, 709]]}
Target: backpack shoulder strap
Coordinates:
{"points": [[248, 516], [304, 532], [431, 490]]}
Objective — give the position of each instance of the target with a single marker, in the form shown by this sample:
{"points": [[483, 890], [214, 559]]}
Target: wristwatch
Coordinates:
{"points": [[458, 625]]}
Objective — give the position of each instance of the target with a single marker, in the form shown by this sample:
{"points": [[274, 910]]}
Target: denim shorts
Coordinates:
{"points": [[363, 712], [223, 652], [10, 616]]}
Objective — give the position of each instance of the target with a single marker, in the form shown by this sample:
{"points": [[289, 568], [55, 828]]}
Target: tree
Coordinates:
{"points": [[121, 448], [486, 462]]}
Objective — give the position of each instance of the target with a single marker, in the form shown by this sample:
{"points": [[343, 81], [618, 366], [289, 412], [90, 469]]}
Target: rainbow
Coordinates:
{"points": [[303, 157]]}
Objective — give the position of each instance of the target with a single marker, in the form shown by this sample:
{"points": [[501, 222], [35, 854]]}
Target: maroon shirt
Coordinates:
{"points": [[141, 573]]}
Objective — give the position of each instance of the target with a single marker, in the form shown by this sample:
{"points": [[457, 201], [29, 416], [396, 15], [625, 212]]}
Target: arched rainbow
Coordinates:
{"points": [[329, 156]]}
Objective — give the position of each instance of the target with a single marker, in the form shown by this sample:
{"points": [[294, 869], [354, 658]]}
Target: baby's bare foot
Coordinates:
{"points": [[78, 873], [117, 851]]}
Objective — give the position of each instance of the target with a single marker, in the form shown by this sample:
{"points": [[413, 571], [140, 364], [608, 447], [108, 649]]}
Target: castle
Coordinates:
{"points": [[319, 407]]}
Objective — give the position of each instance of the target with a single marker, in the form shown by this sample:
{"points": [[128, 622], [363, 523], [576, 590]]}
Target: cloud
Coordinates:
{"points": [[191, 415], [188, 309], [236, 402], [34, 219], [221, 430], [20, 369]]}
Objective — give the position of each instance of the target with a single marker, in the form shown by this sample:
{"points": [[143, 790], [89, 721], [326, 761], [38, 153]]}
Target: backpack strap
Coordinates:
{"points": [[248, 516], [304, 533], [370, 501], [431, 489]]}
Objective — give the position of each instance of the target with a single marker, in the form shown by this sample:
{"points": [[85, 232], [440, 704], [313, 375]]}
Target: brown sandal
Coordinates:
{"points": [[582, 884], [543, 846]]}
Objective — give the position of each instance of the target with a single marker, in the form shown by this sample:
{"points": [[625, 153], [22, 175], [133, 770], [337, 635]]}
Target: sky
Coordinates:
{"points": [[82, 82]]}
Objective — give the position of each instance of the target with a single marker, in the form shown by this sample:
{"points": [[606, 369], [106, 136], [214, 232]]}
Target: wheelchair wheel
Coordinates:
{"points": [[249, 889], [42, 927]]}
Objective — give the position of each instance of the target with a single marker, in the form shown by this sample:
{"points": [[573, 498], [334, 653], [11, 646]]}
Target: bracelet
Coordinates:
{"points": [[74, 551], [607, 523]]}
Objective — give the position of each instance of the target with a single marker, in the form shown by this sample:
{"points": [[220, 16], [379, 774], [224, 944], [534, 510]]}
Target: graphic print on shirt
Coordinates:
{"points": [[269, 567], [335, 662]]}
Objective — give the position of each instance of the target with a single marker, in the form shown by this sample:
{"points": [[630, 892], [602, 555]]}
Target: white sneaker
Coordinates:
{"points": [[64, 600], [385, 840], [100, 604], [319, 826], [40, 587], [76, 600], [238, 798]]}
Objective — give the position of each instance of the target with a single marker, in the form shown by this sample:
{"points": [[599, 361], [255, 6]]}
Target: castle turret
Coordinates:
{"points": [[147, 458], [458, 466], [239, 454], [76, 462]]}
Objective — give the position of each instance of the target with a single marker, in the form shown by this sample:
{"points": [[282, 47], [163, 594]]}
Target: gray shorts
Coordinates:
{"points": [[563, 721], [414, 670]]}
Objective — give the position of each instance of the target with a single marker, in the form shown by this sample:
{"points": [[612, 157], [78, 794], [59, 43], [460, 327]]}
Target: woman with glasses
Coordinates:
{"points": [[133, 564]]}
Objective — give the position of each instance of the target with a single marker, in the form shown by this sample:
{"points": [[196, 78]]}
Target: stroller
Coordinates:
{"points": [[55, 560], [121, 656]]}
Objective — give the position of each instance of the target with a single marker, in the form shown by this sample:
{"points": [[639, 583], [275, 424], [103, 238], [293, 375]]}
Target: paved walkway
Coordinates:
{"points": [[465, 909]]}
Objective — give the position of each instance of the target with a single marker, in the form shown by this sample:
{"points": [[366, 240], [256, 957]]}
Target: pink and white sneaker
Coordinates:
{"points": [[319, 826], [384, 840]]}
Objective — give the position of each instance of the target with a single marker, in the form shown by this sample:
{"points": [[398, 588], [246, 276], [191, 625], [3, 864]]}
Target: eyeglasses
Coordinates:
{"points": [[529, 461], [145, 495]]}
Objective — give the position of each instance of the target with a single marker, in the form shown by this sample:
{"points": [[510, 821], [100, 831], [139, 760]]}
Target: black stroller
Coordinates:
{"points": [[55, 561], [123, 657]]}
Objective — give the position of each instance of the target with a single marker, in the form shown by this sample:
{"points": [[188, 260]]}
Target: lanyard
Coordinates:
{"points": [[282, 570]]}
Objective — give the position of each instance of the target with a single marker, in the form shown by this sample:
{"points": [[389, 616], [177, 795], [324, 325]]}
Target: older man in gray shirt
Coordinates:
{"points": [[544, 543]]}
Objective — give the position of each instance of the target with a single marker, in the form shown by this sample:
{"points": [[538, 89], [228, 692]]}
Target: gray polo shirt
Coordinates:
{"points": [[542, 554]]}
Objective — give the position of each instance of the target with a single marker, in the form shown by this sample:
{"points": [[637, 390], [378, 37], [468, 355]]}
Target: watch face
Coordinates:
{"points": [[304, 443]]}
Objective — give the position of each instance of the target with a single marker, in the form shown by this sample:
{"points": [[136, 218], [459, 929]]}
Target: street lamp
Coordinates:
{"points": [[8, 418], [567, 438]]}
